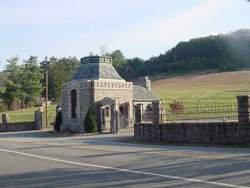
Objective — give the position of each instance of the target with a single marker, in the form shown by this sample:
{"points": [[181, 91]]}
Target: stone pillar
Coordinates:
{"points": [[5, 118], [113, 119], [115, 123], [100, 119], [243, 108], [156, 112], [117, 118], [38, 120]]}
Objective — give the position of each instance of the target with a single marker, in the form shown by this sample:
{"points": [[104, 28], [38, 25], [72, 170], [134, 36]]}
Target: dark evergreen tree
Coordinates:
{"points": [[90, 121]]}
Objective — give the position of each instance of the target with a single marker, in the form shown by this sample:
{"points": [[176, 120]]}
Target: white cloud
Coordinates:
{"points": [[156, 34], [194, 22]]}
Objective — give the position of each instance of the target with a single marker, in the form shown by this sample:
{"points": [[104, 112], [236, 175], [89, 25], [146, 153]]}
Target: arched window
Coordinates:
{"points": [[73, 103]]}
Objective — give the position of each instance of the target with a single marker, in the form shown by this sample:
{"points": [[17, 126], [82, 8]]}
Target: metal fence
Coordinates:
{"points": [[212, 113]]}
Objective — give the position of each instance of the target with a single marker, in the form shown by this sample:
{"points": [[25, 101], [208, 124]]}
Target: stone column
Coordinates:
{"points": [[5, 119], [117, 122], [38, 120], [100, 117], [114, 124], [156, 112], [243, 108], [117, 117]]}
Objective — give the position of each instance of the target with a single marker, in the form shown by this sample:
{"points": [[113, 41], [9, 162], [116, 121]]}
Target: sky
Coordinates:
{"points": [[139, 28]]}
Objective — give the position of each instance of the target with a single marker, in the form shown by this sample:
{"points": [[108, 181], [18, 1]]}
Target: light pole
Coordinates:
{"points": [[45, 66]]}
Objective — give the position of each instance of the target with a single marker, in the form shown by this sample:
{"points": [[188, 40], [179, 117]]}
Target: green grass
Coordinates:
{"points": [[203, 90], [2, 89], [27, 115]]}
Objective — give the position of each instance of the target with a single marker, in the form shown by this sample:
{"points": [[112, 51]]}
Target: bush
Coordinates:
{"points": [[90, 122], [177, 107]]}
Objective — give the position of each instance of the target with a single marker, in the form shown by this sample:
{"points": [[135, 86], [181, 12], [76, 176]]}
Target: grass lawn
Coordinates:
{"points": [[2, 89], [27, 115], [207, 89]]}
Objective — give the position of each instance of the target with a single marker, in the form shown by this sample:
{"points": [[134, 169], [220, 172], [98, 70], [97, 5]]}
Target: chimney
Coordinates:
{"points": [[147, 83]]}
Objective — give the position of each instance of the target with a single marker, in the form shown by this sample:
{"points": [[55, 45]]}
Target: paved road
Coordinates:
{"points": [[36, 159]]}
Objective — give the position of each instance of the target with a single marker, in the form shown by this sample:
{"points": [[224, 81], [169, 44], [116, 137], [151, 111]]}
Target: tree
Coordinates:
{"points": [[135, 67], [12, 82], [90, 122], [60, 71], [118, 58], [31, 81]]}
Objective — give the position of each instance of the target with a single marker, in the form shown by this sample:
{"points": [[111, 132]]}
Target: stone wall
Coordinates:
{"points": [[198, 133], [90, 92], [69, 124], [119, 91], [38, 124], [23, 126]]}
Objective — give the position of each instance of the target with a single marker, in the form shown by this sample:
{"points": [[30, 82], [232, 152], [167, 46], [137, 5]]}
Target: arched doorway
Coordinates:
{"points": [[108, 121], [124, 114]]}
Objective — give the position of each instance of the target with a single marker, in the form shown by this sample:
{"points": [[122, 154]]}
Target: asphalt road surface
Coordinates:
{"points": [[37, 159]]}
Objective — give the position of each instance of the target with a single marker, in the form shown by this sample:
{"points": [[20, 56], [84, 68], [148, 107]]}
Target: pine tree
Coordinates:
{"points": [[90, 122], [31, 81]]}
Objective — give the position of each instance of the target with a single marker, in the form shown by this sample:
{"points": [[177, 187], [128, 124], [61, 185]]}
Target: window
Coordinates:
{"points": [[73, 103]]}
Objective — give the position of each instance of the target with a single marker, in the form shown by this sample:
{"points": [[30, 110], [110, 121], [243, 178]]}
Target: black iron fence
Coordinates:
{"points": [[212, 113]]}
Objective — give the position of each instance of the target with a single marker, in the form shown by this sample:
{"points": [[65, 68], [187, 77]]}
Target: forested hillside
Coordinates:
{"points": [[220, 52]]}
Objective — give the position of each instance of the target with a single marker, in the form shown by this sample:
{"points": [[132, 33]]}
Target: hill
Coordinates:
{"points": [[223, 52], [214, 88]]}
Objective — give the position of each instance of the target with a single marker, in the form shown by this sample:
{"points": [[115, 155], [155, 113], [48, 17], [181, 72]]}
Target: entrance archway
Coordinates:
{"points": [[109, 120]]}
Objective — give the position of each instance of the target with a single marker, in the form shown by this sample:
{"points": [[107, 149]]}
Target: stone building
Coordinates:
{"points": [[96, 84]]}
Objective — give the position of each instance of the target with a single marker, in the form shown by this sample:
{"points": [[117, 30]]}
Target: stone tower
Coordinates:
{"points": [[96, 84]]}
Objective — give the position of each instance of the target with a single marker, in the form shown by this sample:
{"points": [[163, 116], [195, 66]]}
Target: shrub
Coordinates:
{"points": [[176, 107], [90, 122]]}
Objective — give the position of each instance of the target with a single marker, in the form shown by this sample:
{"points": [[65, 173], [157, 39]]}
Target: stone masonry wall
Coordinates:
{"points": [[88, 93], [122, 92], [24, 126], [69, 124], [38, 124], [199, 133]]}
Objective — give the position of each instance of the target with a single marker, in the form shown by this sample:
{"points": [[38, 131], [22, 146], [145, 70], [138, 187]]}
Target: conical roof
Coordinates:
{"points": [[95, 68]]}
